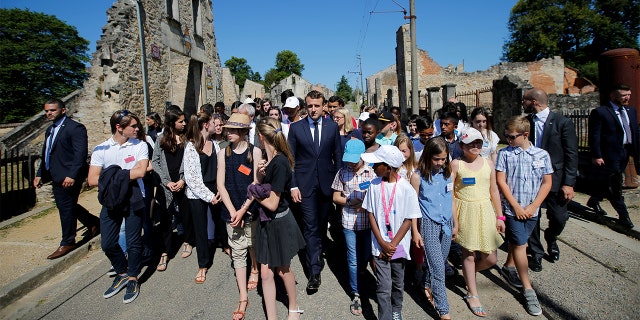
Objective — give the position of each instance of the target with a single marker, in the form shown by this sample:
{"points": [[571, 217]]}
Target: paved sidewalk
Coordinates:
{"points": [[586, 246]]}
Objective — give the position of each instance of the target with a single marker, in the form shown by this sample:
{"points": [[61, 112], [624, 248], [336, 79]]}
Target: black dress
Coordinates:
{"points": [[280, 239]]}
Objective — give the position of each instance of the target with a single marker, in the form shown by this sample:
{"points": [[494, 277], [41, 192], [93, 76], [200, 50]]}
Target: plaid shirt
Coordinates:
{"points": [[524, 170], [348, 182]]}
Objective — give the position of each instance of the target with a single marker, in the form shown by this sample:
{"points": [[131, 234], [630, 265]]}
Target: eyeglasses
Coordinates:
{"points": [[123, 114], [510, 137]]}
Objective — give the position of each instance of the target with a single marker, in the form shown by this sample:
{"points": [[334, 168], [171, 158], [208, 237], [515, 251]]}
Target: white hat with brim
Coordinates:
{"points": [[390, 155]]}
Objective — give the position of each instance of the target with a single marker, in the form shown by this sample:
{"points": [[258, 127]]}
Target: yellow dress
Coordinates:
{"points": [[476, 216]]}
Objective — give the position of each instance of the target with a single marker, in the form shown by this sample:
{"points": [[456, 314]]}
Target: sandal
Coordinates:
{"points": [[429, 295], [252, 284], [298, 311], [478, 311], [239, 312], [201, 278], [162, 266], [186, 250], [355, 307]]}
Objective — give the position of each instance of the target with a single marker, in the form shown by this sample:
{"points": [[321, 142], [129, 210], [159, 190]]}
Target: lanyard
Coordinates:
{"points": [[387, 210]]}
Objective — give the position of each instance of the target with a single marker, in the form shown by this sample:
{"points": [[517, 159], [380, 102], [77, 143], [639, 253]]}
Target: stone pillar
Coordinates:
{"points": [[434, 100], [507, 101], [448, 91]]}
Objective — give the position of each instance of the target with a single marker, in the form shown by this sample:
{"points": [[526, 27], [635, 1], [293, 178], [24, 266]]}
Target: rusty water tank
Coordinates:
{"points": [[620, 66]]}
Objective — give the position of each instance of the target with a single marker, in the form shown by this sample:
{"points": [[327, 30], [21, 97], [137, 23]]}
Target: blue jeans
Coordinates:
{"points": [[358, 253]]}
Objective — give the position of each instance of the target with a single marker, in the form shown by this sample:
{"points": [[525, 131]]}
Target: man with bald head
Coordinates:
{"points": [[557, 135]]}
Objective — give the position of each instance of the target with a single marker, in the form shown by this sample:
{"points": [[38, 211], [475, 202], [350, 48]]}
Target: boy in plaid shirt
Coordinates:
{"points": [[523, 175], [349, 187]]}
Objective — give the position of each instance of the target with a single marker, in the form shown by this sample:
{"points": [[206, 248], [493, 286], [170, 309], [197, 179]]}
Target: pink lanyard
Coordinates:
{"points": [[387, 210]]}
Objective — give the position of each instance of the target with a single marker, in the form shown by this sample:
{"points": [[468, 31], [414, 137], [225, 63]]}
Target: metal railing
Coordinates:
{"points": [[580, 119], [476, 98], [17, 171]]}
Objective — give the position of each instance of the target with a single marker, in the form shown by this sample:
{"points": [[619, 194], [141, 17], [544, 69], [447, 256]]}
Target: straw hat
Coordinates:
{"points": [[238, 121]]}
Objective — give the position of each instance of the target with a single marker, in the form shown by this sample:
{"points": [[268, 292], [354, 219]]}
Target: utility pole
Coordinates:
{"points": [[360, 72], [415, 95]]}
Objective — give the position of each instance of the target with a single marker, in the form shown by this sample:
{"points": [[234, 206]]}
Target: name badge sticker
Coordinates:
{"points": [[244, 169], [449, 187], [538, 164], [364, 185], [470, 180], [129, 159]]}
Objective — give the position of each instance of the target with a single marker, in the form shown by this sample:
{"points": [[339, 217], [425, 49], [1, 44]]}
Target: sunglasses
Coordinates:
{"points": [[510, 137], [123, 114]]}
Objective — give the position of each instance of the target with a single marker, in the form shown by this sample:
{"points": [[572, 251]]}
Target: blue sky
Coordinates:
{"points": [[327, 35]]}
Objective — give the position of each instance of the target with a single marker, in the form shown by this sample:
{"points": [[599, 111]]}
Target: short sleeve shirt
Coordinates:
{"points": [[278, 174], [524, 170], [126, 155], [349, 182]]}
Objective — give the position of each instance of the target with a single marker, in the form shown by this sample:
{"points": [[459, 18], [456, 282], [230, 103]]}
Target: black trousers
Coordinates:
{"points": [[558, 216], [195, 230], [613, 190], [70, 212]]}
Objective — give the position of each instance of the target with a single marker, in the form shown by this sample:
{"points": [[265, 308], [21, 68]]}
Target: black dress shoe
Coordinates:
{"points": [[625, 223], [535, 264], [554, 252], [314, 282], [595, 206]]}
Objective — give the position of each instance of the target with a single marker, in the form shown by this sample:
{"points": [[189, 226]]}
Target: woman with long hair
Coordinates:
{"points": [[155, 125], [167, 163], [480, 121], [200, 171], [278, 237], [219, 140], [342, 117]]}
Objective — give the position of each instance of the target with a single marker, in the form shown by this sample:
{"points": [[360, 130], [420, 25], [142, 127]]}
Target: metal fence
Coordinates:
{"points": [[17, 170], [476, 98], [580, 119]]}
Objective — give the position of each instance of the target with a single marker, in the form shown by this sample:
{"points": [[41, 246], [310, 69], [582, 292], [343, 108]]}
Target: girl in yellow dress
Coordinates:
{"points": [[476, 208]]}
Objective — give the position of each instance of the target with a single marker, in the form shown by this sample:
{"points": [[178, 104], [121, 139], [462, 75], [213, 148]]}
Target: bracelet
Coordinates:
{"points": [[502, 218]]}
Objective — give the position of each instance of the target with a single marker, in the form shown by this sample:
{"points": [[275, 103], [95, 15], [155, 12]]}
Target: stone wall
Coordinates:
{"points": [[230, 89], [182, 62], [252, 90]]}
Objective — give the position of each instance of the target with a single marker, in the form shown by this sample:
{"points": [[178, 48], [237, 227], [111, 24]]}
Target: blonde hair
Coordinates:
{"points": [[272, 133], [519, 124], [410, 162], [348, 126]]}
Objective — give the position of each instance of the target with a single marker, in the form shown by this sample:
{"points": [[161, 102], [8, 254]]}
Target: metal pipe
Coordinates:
{"points": [[143, 61]]}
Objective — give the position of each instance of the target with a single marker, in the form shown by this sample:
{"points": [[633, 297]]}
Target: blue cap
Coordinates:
{"points": [[352, 151]]}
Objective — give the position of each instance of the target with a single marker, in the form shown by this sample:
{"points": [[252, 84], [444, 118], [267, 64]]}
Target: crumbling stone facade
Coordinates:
{"points": [[252, 90], [180, 58], [548, 74], [299, 86]]}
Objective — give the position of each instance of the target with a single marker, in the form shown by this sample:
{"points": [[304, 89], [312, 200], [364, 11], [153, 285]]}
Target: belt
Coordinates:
{"points": [[282, 214]]}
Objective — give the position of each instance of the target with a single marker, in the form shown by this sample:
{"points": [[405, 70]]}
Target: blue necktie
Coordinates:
{"points": [[49, 145]]}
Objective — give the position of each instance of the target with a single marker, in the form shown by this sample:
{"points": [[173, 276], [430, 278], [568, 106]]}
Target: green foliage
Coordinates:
{"points": [[41, 58], [343, 90], [241, 70], [287, 62], [577, 30]]}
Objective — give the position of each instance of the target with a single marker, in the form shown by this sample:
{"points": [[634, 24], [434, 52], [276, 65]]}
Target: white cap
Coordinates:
{"points": [[388, 154], [249, 101], [363, 116], [291, 102], [471, 135]]}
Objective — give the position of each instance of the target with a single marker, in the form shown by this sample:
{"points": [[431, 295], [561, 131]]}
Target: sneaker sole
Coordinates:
{"points": [[114, 292], [130, 299]]}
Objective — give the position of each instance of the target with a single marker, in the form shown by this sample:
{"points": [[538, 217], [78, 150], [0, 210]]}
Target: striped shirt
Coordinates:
{"points": [[524, 170]]}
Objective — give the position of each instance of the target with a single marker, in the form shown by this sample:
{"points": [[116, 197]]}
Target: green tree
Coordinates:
{"points": [[343, 90], [287, 62], [41, 57], [577, 30], [241, 70]]}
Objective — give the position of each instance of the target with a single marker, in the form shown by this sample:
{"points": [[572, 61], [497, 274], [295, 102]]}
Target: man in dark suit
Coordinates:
{"points": [[613, 137], [315, 146], [64, 163], [557, 135]]}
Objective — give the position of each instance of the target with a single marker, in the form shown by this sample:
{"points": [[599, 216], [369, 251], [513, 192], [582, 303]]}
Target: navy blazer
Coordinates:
{"points": [[559, 139], [68, 153], [311, 167], [606, 134]]}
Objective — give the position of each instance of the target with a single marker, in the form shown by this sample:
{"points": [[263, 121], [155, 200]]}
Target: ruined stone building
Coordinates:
{"points": [[299, 86], [180, 59], [392, 86]]}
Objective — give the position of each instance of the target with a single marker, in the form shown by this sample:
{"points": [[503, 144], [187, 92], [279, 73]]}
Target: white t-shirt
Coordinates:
{"points": [[405, 206], [489, 147], [126, 155]]}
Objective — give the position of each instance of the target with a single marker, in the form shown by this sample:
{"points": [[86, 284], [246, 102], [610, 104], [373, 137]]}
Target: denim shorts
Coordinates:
{"points": [[518, 231]]}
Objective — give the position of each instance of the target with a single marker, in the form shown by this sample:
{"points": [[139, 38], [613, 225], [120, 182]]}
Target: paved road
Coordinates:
{"points": [[598, 276]]}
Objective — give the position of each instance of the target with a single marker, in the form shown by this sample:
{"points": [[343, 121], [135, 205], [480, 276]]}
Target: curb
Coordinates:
{"points": [[30, 281]]}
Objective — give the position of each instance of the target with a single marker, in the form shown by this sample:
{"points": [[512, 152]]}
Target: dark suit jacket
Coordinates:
{"points": [[68, 153], [559, 139], [311, 167], [606, 134]]}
